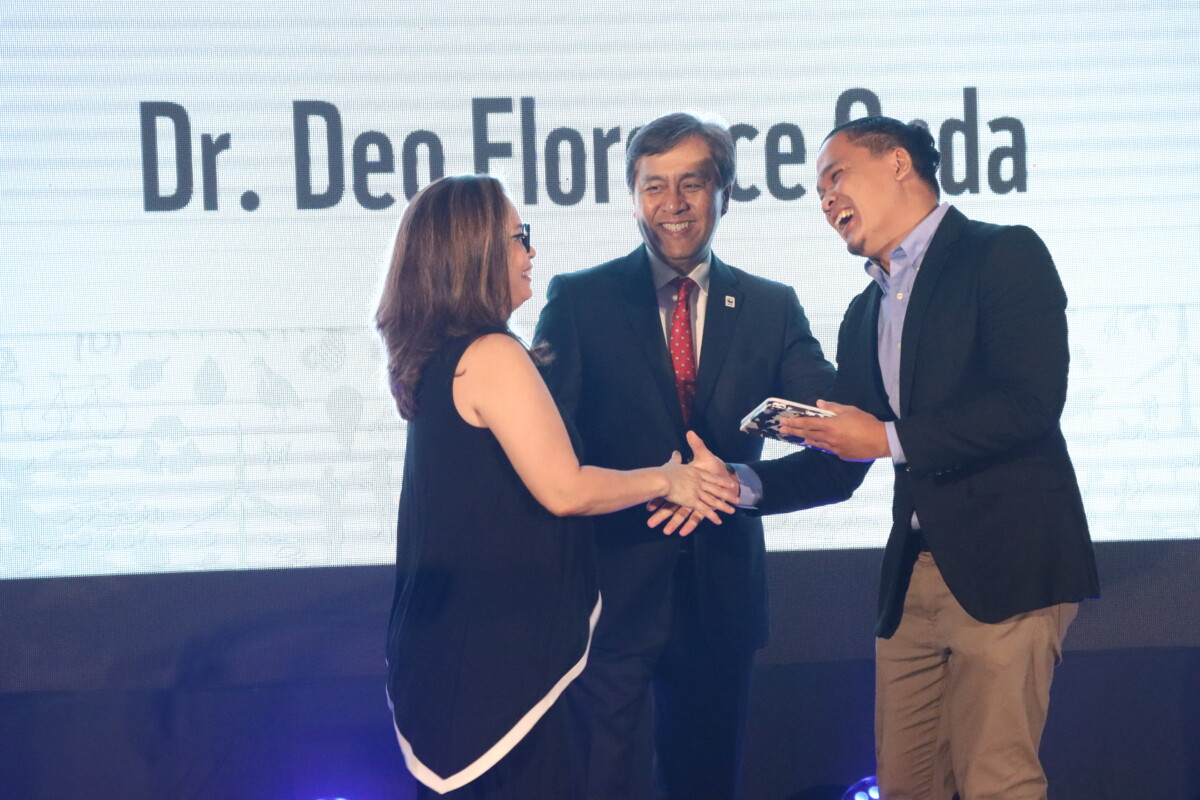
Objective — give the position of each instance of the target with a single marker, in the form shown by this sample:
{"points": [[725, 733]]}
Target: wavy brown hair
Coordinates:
{"points": [[448, 276]]}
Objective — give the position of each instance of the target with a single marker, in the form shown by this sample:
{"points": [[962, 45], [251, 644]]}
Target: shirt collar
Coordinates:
{"points": [[663, 274], [911, 252]]}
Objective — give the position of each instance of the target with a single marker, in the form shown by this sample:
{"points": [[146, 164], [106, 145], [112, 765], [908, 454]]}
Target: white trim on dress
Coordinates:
{"points": [[509, 740]]}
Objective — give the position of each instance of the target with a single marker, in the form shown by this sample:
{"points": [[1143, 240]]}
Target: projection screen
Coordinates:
{"points": [[199, 203]]}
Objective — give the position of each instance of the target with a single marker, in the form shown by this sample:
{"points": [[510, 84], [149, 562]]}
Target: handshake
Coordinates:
{"points": [[849, 433], [699, 489]]}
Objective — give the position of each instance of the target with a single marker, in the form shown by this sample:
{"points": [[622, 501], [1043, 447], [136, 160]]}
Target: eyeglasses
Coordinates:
{"points": [[523, 236]]}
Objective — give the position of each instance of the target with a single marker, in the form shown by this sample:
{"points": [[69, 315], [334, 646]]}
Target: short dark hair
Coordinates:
{"points": [[663, 133], [881, 134]]}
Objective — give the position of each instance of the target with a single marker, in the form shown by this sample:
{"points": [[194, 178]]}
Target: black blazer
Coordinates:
{"points": [[611, 374], [983, 380]]}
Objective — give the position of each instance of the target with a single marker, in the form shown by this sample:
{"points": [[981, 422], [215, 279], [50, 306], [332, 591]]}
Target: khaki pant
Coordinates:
{"points": [[960, 704]]}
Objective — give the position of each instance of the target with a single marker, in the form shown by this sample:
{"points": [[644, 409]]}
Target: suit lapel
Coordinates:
{"points": [[932, 266], [866, 340], [640, 303], [720, 321]]}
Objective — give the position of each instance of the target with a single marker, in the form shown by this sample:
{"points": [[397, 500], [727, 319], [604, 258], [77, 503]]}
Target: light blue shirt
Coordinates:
{"points": [[905, 262]]}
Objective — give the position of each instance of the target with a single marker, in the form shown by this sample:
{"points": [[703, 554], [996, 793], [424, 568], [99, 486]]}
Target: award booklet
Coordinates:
{"points": [[764, 420]]}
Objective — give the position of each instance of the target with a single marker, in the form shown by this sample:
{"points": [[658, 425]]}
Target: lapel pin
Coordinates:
{"points": [[730, 302]]}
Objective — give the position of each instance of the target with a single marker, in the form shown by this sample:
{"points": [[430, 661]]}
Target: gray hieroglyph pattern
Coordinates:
{"points": [[158, 452], [161, 452]]}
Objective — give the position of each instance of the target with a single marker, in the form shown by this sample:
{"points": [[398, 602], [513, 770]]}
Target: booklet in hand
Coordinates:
{"points": [[764, 420]]}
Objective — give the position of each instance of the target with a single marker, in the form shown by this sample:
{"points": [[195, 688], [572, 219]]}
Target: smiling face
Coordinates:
{"points": [[867, 197], [520, 260], [677, 203]]}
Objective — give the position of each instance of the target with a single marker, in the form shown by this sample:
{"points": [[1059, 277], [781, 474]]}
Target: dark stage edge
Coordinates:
{"points": [[1123, 724], [270, 684]]}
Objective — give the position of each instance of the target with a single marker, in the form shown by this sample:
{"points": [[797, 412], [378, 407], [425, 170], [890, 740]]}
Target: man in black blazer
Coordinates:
{"points": [[682, 616], [953, 364]]}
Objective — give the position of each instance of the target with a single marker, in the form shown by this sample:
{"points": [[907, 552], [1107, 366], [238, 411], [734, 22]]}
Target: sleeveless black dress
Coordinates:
{"points": [[496, 598]]}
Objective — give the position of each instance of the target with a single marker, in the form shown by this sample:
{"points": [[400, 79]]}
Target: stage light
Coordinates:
{"points": [[866, 789]]}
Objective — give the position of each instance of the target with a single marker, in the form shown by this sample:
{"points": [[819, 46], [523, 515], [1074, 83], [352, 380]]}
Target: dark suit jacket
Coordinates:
{"points": [[611, 374], [983, 380]]}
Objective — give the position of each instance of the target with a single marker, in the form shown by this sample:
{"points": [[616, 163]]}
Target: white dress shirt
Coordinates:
{"points": [[663, 275]]}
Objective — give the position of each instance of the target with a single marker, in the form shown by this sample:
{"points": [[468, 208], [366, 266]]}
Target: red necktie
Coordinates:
{"points": [[680, 344]]}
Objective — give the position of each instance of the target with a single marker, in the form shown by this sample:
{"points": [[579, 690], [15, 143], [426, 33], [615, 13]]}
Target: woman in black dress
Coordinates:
{"points": [[496, 596]]}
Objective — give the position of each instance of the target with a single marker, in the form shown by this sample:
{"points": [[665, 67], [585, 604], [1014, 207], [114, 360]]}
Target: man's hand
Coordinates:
{"points": [[676, 516], [853, 435]]}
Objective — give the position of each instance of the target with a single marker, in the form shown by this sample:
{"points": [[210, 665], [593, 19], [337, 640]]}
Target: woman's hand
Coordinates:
{"points": [[697, 490]]}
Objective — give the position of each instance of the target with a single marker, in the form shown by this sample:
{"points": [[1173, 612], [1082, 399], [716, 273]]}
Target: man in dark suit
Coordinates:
{"points": [[636, 361], [953, 364]]}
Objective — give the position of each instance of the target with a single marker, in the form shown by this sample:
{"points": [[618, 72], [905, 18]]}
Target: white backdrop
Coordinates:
{"points": [[189, 379]]}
